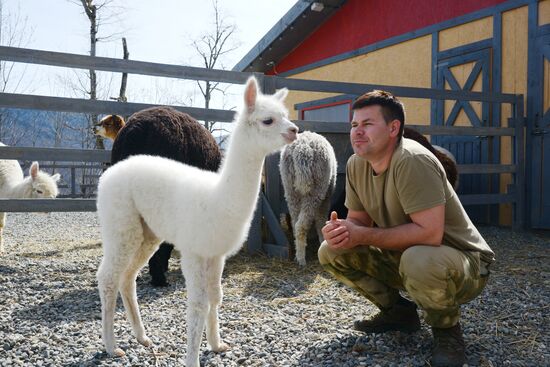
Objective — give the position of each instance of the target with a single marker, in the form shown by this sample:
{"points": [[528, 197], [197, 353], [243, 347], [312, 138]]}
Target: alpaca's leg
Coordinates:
{"points": [[122, 240], [158, 265], [194, 270], [128, 289], [293, 202], [215, 294], [321, 218], [107, 280], [2, 224], [301, 228]]}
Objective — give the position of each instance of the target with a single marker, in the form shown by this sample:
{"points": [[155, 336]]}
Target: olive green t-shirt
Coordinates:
{"points": [[415, 180]]}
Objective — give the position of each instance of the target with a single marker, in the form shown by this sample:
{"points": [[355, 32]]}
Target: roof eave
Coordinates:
{"points": [[291, 30]]}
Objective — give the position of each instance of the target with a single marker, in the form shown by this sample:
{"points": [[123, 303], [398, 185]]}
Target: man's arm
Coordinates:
{"points": [[426, 228]]}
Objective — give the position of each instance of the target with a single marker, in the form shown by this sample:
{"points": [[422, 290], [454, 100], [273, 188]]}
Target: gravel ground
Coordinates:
{"points": [[274, 312]]}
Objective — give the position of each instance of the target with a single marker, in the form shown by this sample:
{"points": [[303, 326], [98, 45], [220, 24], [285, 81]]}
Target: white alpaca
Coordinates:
{"points": [[308, 172], [13, 185], [144, 200]]}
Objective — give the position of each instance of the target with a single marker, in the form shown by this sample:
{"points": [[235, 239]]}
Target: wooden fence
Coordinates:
{"points": [[271, 202]]}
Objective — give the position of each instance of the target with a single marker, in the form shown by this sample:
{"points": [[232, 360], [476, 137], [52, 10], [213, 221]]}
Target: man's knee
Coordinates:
{"points": [[324, 253], [422, 263]]}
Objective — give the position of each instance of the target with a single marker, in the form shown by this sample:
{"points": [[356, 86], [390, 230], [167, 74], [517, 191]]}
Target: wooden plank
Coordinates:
{"points": [[521, 216], [322, 127], [47, 205], [276, 251], [55, 154], [484, 199], [467, 48], [344, 128], [486, 168], [411, 92], [254, 239], [463, 130], [27, 101], [273, 223], [67, 60], [273, 188], [194, 73], [72, 166]]}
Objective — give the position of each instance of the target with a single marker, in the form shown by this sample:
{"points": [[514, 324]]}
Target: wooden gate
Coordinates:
{"points": [[467, 149], [540, 133]]}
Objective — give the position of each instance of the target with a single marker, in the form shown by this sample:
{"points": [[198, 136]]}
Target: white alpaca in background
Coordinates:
{"points": [[144, 200], [308, 172], [38, 185]]}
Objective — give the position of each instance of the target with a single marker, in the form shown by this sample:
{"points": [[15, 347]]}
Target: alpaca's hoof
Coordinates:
{"points": [[223, 347], [301, 262], [117, 353], [145, 341]]}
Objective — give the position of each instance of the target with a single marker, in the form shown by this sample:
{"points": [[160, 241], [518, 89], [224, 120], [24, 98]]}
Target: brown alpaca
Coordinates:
{"points": [[109, 126]]}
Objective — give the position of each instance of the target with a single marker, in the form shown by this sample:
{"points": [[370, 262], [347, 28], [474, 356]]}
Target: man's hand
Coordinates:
{"points": [[336, 232]]}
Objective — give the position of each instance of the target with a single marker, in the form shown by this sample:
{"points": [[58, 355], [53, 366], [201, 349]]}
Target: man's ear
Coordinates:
{"points": [[395, 126]]}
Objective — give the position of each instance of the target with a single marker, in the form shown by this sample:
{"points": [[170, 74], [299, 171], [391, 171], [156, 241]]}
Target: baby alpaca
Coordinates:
{"points": [[38, 185], [308, 171], [144, 200], [166, 132]]}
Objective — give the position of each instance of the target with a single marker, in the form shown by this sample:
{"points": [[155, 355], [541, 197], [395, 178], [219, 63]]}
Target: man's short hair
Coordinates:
{"points": [[392, 108]]}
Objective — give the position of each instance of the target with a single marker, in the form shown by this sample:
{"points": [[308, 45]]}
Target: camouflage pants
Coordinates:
{"points": [[438, 279]]}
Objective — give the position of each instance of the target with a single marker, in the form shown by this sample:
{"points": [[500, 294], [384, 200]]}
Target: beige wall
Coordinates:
{"points": [[544, 12], [514, 80], [405, 64], [466, 33]]}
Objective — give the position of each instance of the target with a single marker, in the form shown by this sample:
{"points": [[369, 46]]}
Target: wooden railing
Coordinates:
{"points": [[269, 207]]}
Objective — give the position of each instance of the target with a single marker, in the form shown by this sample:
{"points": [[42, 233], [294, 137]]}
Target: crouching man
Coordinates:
{"points": [[405, 230]]}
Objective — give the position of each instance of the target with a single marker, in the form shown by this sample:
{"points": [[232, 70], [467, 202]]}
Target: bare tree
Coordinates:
{"points": [[14, 32], [212, 47], [124, 81], [99, 13], [91, 10]]}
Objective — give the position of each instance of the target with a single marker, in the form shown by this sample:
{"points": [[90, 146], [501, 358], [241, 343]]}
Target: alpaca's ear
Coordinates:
{"points": [[281, 94], [33, 171], [56, 177], [250, 94]]}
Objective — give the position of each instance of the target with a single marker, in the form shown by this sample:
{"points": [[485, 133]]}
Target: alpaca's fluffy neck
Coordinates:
{"points": [[240, 173], [21, 189]]}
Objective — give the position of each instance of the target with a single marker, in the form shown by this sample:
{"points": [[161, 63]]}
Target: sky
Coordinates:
{"points": [[158, 31]]}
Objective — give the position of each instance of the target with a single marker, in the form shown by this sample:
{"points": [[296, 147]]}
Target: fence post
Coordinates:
{"points": [[254, 243], [519, 124], [273, 189], [73, 182]]}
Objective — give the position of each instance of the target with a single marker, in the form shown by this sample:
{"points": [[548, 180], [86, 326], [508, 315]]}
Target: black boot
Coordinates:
{"points": [[449, 348], [158, 265], [401, 317]]}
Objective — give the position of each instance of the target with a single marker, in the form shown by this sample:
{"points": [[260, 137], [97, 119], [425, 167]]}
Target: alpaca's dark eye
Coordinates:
{"points": [[39, 191], [267, 122]]}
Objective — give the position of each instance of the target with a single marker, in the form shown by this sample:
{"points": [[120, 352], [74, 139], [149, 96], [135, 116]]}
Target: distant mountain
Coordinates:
{"points": [[30, 128]]}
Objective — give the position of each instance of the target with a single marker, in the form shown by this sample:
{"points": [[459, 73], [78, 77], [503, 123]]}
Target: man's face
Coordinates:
{"points": [[370, 135]]}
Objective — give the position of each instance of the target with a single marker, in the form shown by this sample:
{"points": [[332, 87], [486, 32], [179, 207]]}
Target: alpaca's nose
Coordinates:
{"points": [[292, 133]]}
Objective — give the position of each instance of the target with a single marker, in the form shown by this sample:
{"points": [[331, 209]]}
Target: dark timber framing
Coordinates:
{"points": [[269, 204]]}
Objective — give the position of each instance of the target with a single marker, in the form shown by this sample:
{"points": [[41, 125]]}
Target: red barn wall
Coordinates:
{"points": [[363, 22]]}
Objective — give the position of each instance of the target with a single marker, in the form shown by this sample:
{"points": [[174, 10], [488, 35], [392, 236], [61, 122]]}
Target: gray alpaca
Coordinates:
{"points": [[308, 171]]}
